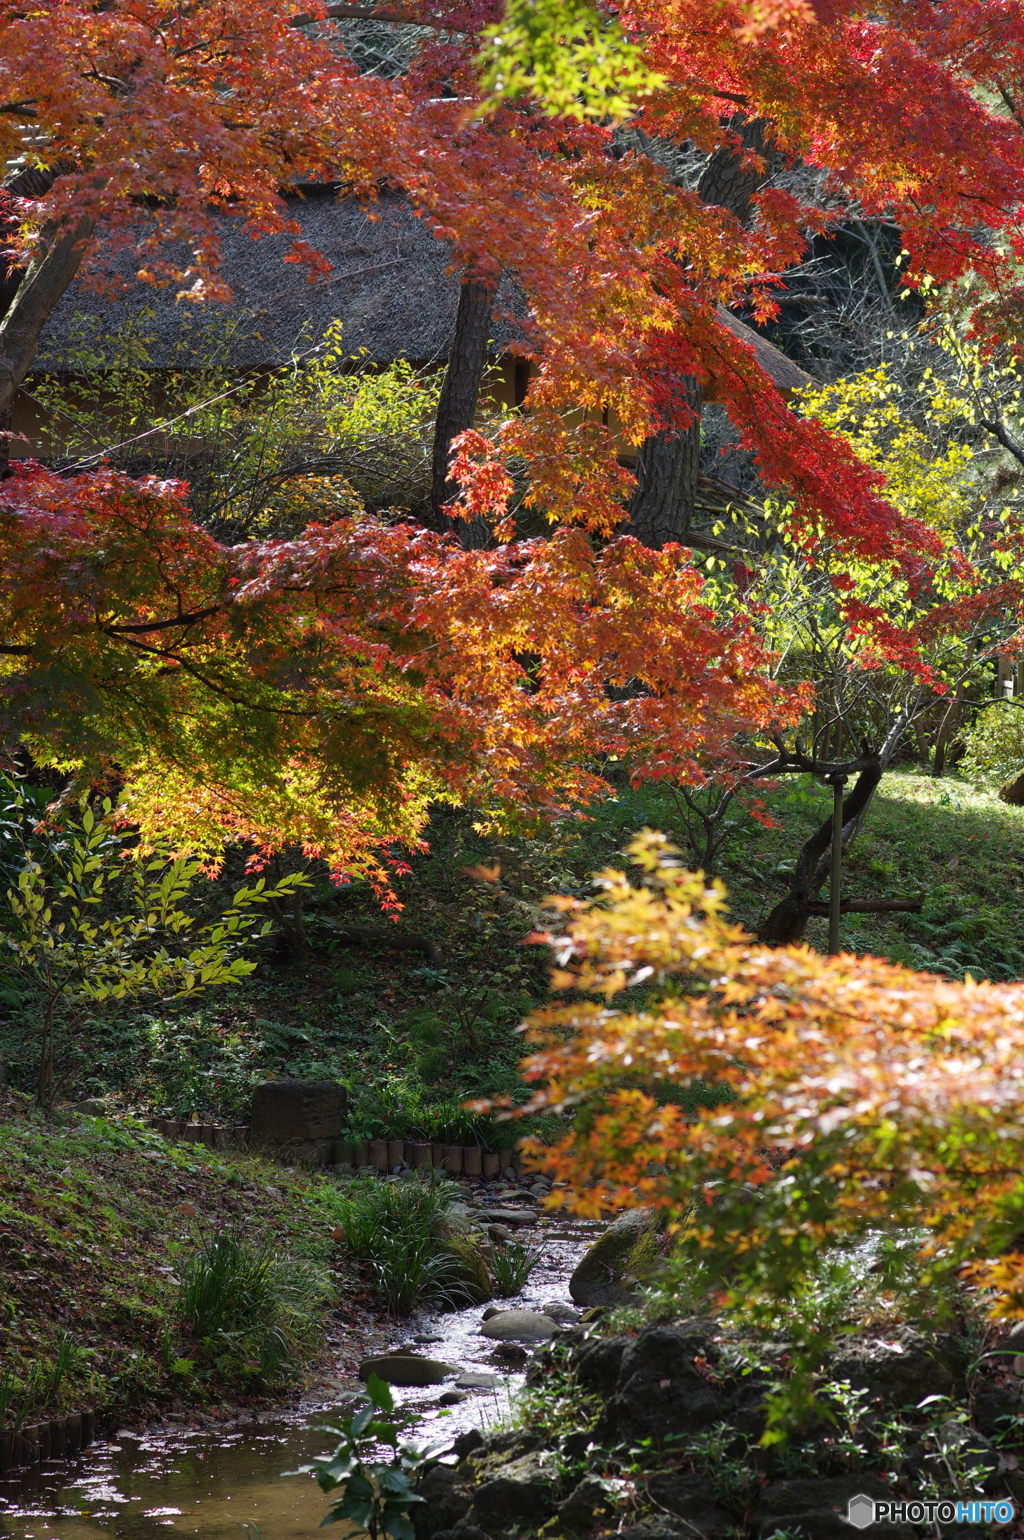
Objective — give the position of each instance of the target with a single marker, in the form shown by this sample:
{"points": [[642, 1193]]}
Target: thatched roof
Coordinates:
{"points": [[390, 287], [785, 374]]}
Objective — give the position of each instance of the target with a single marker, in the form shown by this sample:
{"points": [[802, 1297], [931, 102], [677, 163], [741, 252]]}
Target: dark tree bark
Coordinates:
{"points": [[725, 181], [662, 507], [456, 410], [28, 297]]}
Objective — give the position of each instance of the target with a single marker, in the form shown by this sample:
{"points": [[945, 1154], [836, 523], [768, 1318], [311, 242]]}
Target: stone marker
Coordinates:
{"points": [[519, 1325], [474, 1380], [406, 1369], [299, 1119]]}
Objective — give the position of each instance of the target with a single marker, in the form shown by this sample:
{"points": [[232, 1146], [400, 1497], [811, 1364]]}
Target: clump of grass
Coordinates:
{"points": [[415, 1252], [511, 1266], [249, 1307]]}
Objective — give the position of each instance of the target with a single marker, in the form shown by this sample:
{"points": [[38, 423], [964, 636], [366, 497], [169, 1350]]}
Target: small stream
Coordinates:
{"points": [[223, 1483]]}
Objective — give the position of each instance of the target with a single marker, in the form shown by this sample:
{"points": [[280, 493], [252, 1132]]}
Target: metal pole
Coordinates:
{"points": [[834, 897]]}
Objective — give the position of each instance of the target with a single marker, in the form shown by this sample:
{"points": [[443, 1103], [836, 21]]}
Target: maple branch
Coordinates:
{"points": [[163, 625], [999, 431]]}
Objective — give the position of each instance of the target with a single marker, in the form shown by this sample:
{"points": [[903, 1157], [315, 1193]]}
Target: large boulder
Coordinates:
{"points": [[818, 1507], [662, 1388], [605, 1275], [901, 1370], [298, 1119]]}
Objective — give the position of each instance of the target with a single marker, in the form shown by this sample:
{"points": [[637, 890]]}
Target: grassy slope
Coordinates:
{"points": [[94, 1217]]}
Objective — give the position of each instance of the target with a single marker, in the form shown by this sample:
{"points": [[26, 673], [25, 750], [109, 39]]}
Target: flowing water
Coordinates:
{"points": [[225, 1483]]}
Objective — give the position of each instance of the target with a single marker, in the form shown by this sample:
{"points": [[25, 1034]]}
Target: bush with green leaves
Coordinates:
{"points": [[324, 436], [995, 743], [90, 919], [375, 1495], [251, 1310], [414, 1249]]}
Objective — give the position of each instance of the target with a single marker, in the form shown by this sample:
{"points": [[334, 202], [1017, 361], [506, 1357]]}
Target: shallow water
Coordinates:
{"points": [[215, 1484]]}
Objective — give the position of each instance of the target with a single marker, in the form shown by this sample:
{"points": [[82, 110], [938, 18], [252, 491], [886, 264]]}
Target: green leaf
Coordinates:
{"points": [[566, 56], [379, 1393]]}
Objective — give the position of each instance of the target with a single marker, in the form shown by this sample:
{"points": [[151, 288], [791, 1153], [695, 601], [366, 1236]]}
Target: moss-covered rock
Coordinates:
{"points": [[608, 1273]]}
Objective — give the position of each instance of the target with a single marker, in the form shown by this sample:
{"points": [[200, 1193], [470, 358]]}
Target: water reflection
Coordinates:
{"points": [[211, 1484]]}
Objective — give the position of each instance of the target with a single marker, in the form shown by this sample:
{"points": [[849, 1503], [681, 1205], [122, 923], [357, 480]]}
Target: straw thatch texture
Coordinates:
{"points": [[390, 287]]}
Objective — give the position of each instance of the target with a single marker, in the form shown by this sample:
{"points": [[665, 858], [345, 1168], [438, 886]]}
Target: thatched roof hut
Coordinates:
{"points": [[391, 287]]}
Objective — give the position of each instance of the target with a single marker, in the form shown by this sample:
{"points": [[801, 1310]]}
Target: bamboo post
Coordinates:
{"points": [[834, 895]]}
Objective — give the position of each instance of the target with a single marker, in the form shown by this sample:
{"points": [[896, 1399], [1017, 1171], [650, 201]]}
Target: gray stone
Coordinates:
{"points": [[453, 1397], [473, 1379], [511, 1352], [518, 1493], [492, 1311], [300, 1119], [811, 1493], [406, 1369], [562, 1313], [585, 1502], [901, 1371], [597, 1365], [519, 1326], [506, 1216], [993, 1405], [92, 1107], [817, 1507], [599, 1276], [688, 1498], [661, 1392], [445, 1501], [429, 1336]]}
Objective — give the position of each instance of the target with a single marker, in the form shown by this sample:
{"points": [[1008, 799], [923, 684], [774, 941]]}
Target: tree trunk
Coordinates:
{"points": [[725, 181], [788, 920], [456, 410], [662, 507]]}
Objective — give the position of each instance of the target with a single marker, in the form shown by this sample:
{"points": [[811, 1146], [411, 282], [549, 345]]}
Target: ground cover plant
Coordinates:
{"points": [[414, 1249], [137, 1276]]}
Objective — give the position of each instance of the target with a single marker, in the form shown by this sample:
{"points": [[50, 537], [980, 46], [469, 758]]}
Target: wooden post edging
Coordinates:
{"points": [[380, 1155], [57, 1438]]}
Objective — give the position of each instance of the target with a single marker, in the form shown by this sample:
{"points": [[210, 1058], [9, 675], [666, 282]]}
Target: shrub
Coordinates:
{"points": [[249, 1306], [995, 743], [415, 1252]]}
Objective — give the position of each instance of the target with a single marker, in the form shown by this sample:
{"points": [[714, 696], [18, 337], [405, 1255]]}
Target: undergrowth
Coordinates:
{"points": [[116, 1292]]}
